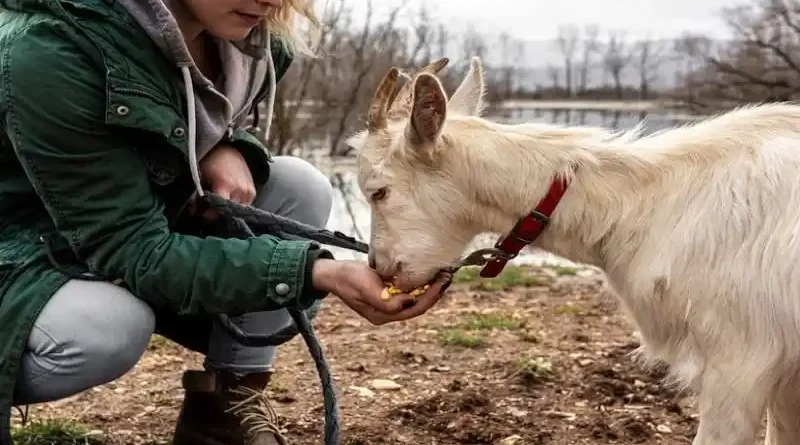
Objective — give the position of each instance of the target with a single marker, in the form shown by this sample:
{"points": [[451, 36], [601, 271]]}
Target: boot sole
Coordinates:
{"points": [[191, 438]]}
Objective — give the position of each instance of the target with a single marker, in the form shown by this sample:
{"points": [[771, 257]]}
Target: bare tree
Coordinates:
{"points": [[616, 59], [555, 76], [589, 47], [760, 63], [507, 64], [693, 50], [298, 88], [365, 51], [423, 31], [650, 55], [323, 99], [567, 42]]}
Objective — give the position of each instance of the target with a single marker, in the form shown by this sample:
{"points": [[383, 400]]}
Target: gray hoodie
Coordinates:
{"points": [[213, 109]]}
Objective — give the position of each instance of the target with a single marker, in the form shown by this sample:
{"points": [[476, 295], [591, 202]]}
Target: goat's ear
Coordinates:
{"points": [[468, 97], [428, 112]]}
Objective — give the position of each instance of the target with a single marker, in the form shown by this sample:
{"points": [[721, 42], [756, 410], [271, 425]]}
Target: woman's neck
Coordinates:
{"points": [[201, 46]]}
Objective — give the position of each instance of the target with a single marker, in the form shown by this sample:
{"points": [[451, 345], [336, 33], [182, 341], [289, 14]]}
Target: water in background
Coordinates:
{"points": [[350, 212]]}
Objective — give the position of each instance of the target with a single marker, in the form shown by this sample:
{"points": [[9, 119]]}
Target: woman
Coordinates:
{"points": [[116, 115]]}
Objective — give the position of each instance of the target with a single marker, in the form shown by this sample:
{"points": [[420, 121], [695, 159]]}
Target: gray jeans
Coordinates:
{"points": [[91, 333]]}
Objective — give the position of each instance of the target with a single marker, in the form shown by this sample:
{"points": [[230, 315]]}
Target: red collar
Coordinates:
{"points": [[527, 229]]}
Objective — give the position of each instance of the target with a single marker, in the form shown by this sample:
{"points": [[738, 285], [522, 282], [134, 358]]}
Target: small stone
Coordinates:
{"points": [[586, 362], [516, 412], [363, 392], [663, 429], [385, 385], [560, 414], [639, 384], [511, 440], [441, 369], [357, 367]]}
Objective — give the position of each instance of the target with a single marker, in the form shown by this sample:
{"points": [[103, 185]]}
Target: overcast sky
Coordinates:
{"points": [[539, 19]]}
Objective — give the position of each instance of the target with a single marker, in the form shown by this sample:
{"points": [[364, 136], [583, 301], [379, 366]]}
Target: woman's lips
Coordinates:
{"points": [[249, 19]]}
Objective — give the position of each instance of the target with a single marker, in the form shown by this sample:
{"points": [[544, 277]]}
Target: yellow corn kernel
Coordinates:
{"points": [[420, 290], [390, 289]]}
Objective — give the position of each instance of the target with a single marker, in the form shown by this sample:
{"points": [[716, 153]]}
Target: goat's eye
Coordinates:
{"points": [[380, 194]]}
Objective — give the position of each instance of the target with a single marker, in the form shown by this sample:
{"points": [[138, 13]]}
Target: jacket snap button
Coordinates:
{"points": [[179, 132], [122, 110], [282, 289]]}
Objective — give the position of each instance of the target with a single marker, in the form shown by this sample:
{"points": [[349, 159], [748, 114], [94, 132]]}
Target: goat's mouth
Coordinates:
{"points": [[409, 280]]}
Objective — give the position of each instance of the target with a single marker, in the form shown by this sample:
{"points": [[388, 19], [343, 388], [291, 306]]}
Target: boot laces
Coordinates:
{"points": [[255, 413]]}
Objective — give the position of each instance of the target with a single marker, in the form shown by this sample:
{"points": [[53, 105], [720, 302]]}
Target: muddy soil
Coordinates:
{"points": [[545, 362]]}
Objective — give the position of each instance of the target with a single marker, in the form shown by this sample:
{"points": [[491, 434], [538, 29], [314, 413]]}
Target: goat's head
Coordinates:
{"points": [[416, 207]]}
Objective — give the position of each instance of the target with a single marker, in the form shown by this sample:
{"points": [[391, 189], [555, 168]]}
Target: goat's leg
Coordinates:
{"points": [[783, 416], [730, 414]]}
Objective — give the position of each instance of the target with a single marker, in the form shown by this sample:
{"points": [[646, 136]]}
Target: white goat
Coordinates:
{"points": [[697, 228]]}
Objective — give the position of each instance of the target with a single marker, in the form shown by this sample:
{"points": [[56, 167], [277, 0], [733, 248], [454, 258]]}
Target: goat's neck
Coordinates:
{"points": [[509, 169]]}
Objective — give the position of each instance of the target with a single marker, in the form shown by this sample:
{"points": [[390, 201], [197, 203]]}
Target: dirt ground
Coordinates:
{"points": [[539, 356]]}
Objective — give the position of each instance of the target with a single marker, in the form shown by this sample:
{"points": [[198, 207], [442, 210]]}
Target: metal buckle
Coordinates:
{"points": [[541, 217], [537, 215], [521, 239], [482, 256]]}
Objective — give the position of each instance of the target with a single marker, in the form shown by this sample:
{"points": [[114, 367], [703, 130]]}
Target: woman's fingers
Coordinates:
{"points": [[407, 307]]}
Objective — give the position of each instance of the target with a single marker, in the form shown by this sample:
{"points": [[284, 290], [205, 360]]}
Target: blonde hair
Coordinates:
{"points": [[281, 22]]}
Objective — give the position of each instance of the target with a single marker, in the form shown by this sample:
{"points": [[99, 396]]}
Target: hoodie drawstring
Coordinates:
{"points": [[194, 165], [304, 328], [192, 130], [272, 86]]}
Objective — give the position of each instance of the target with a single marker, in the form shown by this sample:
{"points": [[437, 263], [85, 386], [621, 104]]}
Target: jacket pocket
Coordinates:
{"points": [[140, 111], [160, 169]]}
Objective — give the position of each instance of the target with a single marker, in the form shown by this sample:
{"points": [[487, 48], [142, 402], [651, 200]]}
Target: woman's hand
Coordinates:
{"points": [[359, 287], [226, 172], [228, 175]]}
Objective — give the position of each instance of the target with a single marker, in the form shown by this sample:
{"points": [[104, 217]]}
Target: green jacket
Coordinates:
{"points": [[94, 171]]}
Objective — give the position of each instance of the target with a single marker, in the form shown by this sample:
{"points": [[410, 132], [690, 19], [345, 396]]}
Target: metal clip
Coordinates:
{"points": [[482, 256]]}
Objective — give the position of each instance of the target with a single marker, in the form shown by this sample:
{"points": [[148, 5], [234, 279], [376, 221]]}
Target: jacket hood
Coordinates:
{"points": [[156, 17]]}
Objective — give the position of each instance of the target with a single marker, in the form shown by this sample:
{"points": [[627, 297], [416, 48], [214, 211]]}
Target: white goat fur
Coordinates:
{"points": [[697, 229]]}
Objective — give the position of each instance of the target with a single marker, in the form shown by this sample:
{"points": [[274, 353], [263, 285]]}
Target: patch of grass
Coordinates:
{"points": [[512, 276], [533, 368], [562, 271], [566, 309], [528, 337], [485, 322], [56, 432], [157, 342], [461, 338], [465, 333]]}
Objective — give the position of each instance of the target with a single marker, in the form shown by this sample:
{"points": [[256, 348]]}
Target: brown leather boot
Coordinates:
{"points": [[221, 409]]}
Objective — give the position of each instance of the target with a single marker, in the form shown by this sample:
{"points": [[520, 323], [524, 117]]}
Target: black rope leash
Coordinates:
{"points": [[244, 222]]}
